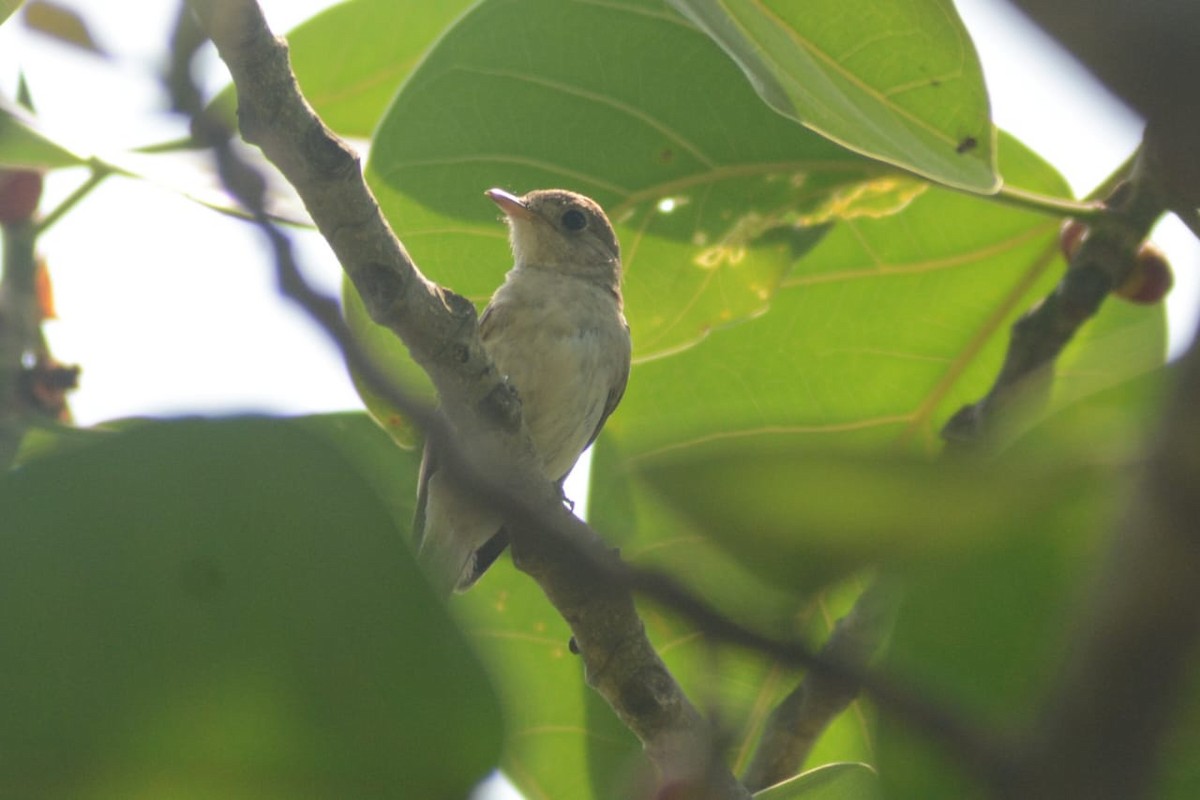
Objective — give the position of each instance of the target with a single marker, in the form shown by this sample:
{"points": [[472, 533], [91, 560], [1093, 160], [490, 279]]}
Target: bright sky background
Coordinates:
{"points": [[170, 308]]}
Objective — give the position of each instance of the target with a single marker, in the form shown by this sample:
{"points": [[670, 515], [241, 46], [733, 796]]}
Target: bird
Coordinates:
{"points": [[556, 331]]}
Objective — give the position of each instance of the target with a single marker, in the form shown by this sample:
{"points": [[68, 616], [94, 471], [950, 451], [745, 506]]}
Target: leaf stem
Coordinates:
{"points": [[100, 171], [1091, 207], [1047, 204]]}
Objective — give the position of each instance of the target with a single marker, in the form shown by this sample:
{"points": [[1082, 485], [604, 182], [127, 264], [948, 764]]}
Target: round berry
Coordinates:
{"points": [[1150, 279], [20, 192]]}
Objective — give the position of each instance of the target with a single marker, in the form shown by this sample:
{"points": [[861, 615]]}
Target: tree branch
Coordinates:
{"points": [[439, 329], [1102, 262]]}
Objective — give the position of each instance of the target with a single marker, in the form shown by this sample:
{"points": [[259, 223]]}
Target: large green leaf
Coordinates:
{"points": [[900, 82], [351, 58], [713, 195], [204, 609], [801, 518]]}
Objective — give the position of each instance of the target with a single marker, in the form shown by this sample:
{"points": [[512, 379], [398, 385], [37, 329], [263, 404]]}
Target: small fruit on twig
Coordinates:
{"points": [[1150, 279], [20, 192]]}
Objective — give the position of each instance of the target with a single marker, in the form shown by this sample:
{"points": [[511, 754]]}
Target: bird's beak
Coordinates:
{"points": [[510, 204]]}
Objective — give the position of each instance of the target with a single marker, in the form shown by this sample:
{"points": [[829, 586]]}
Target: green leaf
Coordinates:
{"points": [[23, 145], [803, 518], [216, 608], [900, 82], [830, 782], [351, 58], [7, 7]]}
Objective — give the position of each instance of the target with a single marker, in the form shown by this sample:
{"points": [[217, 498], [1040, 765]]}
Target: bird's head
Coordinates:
{"points": [[560, 230]]}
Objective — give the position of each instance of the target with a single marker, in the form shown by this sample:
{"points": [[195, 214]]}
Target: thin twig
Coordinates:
{"points": [[99, 172]]}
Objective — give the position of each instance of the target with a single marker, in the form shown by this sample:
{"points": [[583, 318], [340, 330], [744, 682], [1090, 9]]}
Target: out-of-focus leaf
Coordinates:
{"points": [[1180, 771], [830, 782], [900, 82], [801, 518], [207, 609], [22, 145], [985, 630], [7, 7], [61, 23]]}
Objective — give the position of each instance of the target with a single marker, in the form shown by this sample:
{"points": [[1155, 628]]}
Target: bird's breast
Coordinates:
{"points": [[563, 346]]}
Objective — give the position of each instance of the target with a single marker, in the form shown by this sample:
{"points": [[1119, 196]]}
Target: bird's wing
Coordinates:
{"points": [[618, 389], [428, 467], [489, 318]]}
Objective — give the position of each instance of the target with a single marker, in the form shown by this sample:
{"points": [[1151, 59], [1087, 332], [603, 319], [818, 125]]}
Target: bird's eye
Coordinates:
{"points": [[574, 220]]}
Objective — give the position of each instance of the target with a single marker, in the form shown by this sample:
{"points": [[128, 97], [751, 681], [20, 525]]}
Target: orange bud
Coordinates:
{"points": [[44, 290]]}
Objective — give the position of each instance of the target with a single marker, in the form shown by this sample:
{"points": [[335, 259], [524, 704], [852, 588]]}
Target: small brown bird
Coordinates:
{"points": [[556, 330]]}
